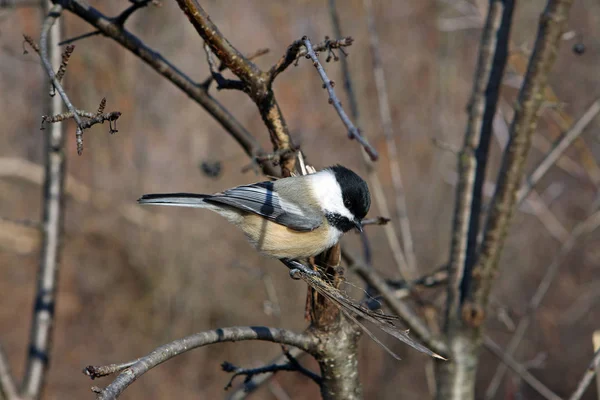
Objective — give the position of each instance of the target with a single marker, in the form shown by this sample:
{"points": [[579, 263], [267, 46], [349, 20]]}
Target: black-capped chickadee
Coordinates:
{"points": [[291, 218]]}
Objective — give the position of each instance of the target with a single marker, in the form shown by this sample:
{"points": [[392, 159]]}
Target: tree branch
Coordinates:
{"points": [[304, 341], [8, 389], [291, 365], [552, 24], [385, 116], [473, 156], [254, 80], [560, 145], [250, 385], [408, 316], [40, 339], [353, 132], [374, 182], [297, 50], [157, 62], [520, 370], [587, 378], [587, 226]]}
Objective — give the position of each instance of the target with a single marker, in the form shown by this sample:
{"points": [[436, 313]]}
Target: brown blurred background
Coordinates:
{"points": [[133, 278]]}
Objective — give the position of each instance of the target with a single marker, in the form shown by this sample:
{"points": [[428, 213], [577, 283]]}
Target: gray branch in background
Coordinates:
{"points": [[38, 356], [132, 372], [587, 378], [585, 227], [551, 27], [8, 388], [375, 185], [520, 370], [560, 146], [385, 116]]}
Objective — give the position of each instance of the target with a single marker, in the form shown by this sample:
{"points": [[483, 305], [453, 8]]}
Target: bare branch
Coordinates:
{"points": [[250, 385], [291, 365], [473, 156], [304, 341], [407, 315], [8, 389], [222, 83], [587, 378], [385, 116], [353, 132], [375, 221], [156, 61], [520, 370], [583, 228], [40, 340], [559, 147], [255, 81], [128, 12], [552, 24], [222, 67], [297, 50], [374, 182]]}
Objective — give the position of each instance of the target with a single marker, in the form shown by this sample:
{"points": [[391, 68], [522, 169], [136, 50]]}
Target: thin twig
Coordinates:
{"points": [[584, 227], [249, 386], [560, 145], [105, 370], [8, 389], [385, 116], [297, 50], [38, 352], [353, 132], [156, 61], [52, 17], [587, 378], [304, 341], [375, 185], [408, 316], [222, 67], [291, 365], [520, 370], [222, 83]]}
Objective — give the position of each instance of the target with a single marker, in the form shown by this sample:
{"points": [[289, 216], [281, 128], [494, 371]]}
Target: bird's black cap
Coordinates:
{"points": [[355, 191]]}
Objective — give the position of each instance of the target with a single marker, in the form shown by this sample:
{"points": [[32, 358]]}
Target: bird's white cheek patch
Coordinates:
{"points": [[329, 194]]}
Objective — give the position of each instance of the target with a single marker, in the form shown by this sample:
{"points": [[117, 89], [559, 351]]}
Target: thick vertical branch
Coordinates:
{"points": [[338, 338], [52, 217], [473, 156], [552, 24], [457, 377]]}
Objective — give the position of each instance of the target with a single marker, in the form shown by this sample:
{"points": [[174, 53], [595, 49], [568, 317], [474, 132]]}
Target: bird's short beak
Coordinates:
{"points": [[358, 225]]}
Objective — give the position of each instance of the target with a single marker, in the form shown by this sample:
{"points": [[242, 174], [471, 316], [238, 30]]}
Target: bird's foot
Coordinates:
{"points": [[297, 268]]}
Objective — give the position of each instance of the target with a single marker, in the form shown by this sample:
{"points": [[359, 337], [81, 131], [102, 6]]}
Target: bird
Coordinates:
{"points": [[290, 219]]}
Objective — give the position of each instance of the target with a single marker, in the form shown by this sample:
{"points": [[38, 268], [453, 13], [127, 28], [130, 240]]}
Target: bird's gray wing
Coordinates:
{"points": [[262, 199]]}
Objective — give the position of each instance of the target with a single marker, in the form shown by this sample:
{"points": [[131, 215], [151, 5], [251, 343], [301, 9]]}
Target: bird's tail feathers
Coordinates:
{"points": [[175, 199]]}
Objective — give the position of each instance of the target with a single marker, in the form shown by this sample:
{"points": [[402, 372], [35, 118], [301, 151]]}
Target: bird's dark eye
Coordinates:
{"points": [[347, 203]]}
